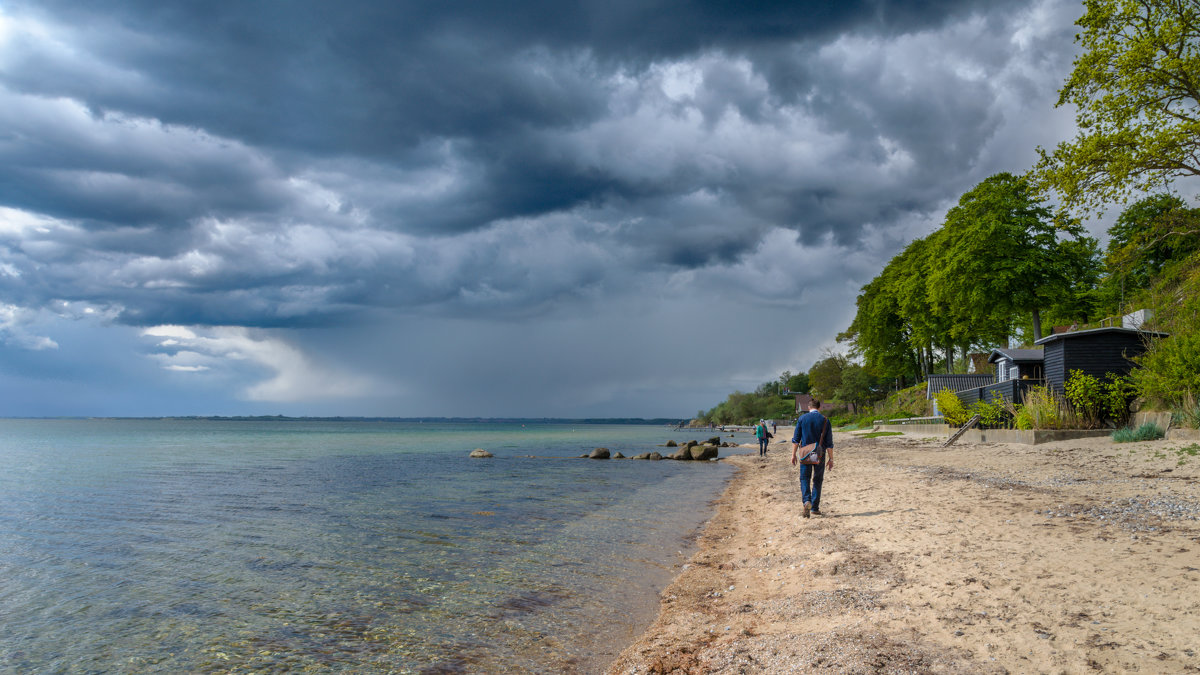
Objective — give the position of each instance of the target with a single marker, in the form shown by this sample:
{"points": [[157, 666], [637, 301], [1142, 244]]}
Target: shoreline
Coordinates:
{"points": [[1070, 556]]}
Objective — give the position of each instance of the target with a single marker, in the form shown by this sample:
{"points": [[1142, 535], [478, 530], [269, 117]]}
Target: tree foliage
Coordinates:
{"points": [[1149, 239], [1136, 91], [766, 402], [999, 260], [1170, 368], [1003, 255], [825, 376], [859, 387]]}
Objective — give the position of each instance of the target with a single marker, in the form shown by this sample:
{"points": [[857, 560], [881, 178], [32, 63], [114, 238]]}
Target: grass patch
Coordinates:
{"points": [[1147, 432], [877, 434]]}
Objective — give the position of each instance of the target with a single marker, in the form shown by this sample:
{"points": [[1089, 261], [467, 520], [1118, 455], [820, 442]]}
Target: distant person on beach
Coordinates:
{"points": [[812, 426], [760, 430]]}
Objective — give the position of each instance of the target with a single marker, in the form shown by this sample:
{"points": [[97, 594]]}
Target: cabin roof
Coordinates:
{"points": [[955, 382], [1016, 355], [1069, 335]]}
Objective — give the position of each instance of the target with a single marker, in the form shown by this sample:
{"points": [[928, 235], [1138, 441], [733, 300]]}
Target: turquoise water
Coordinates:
{"points": [[251, 546]]}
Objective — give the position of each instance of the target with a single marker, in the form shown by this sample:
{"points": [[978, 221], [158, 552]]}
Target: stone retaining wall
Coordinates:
{"points": [[1026, 436], [1162, 420], [918, 429], [1183, 435], [1030, 436]]}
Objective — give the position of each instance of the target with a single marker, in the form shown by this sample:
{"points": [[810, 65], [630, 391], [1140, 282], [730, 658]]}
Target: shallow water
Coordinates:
{"points": [[201, 546]]}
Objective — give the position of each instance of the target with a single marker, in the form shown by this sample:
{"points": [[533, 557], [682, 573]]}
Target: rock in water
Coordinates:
{"points": [[618, 455], [480, 452], [671, 444], [599, 453], [655, 456], [704, 452], [644, 455]]}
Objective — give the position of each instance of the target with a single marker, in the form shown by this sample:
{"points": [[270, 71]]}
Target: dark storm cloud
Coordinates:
{"points": [[289, 163], [378, 79]]}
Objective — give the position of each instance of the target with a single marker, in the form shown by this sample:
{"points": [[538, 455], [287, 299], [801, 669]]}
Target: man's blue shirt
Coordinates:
{"points": [[809, 427]]}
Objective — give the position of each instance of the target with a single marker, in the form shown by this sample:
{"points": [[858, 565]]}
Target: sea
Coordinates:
{"points": [[305, 546]]}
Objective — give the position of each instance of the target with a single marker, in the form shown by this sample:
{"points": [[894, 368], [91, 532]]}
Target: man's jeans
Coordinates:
{"points": [[815, 473], [762, 446]]}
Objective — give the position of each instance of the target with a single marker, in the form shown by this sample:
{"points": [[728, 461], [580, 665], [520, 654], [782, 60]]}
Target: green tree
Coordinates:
{"points": [[1149, 236], [1001, 256], [797, 383], [880, 333], [1170, 368], [859, 387], [928, 324], [826, 375], [1136, 89]]}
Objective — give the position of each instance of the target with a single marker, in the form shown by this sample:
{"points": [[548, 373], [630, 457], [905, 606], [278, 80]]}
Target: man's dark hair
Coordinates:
{"points": [[814, 404]]}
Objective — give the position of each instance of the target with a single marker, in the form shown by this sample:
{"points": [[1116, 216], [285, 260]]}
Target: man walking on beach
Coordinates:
{"points": [[760, 430], [812, 426]]}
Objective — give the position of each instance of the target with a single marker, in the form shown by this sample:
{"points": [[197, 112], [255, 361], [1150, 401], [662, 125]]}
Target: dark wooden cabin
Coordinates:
{"points": [[1017, 364], [1096, 352]]}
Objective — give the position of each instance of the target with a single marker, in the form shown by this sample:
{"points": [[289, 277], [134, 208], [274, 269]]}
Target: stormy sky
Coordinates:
{"points": [[479, 209]]}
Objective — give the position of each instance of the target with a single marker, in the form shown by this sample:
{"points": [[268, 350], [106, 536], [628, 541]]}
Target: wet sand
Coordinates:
{"points": [[1071, 557]]}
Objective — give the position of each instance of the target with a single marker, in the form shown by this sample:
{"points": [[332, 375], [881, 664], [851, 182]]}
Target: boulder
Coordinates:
{"points": [[670, 444], [704, 452], [715, 440], [599, 453], [480, 452], [618, 456], [644, 455], [655, 456], [691, 444], [683, 453]]}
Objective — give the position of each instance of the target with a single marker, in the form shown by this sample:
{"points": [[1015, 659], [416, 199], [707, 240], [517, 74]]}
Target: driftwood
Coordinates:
{"points": [[970, 423]]}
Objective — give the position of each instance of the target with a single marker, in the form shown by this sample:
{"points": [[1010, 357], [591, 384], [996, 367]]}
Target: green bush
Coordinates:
{"points": [[951, 408], [1147, 432], [1187, 414], [991, 414], [1170, 368], [1119, 392], [1022, 418], [1096, 401], [1044, 410], [1086, 394]]}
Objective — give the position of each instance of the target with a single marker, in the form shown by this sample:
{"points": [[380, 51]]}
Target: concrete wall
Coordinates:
{"points": [[1162, 420], [1030, 436], [928, 430], [1183, 435], [1026, 436]]}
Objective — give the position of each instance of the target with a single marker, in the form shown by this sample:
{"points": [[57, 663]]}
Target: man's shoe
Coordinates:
{"points": [[807, 506], [816, 512]]}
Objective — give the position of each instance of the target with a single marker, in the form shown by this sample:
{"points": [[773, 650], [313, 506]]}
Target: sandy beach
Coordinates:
{"points": [[1066, 557]]}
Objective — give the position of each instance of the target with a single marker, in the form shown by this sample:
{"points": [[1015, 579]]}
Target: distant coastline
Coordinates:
{"points": [[422, 420]]}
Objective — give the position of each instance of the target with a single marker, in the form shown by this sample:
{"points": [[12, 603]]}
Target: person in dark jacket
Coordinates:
{"points": [[760, 431], [812, 426]]}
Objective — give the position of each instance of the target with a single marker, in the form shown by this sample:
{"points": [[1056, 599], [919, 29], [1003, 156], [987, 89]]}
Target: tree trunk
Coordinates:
{"points": [[1037, 325]]}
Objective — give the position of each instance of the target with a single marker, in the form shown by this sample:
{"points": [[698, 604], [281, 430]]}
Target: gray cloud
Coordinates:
{"points": [[305, 165]]}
